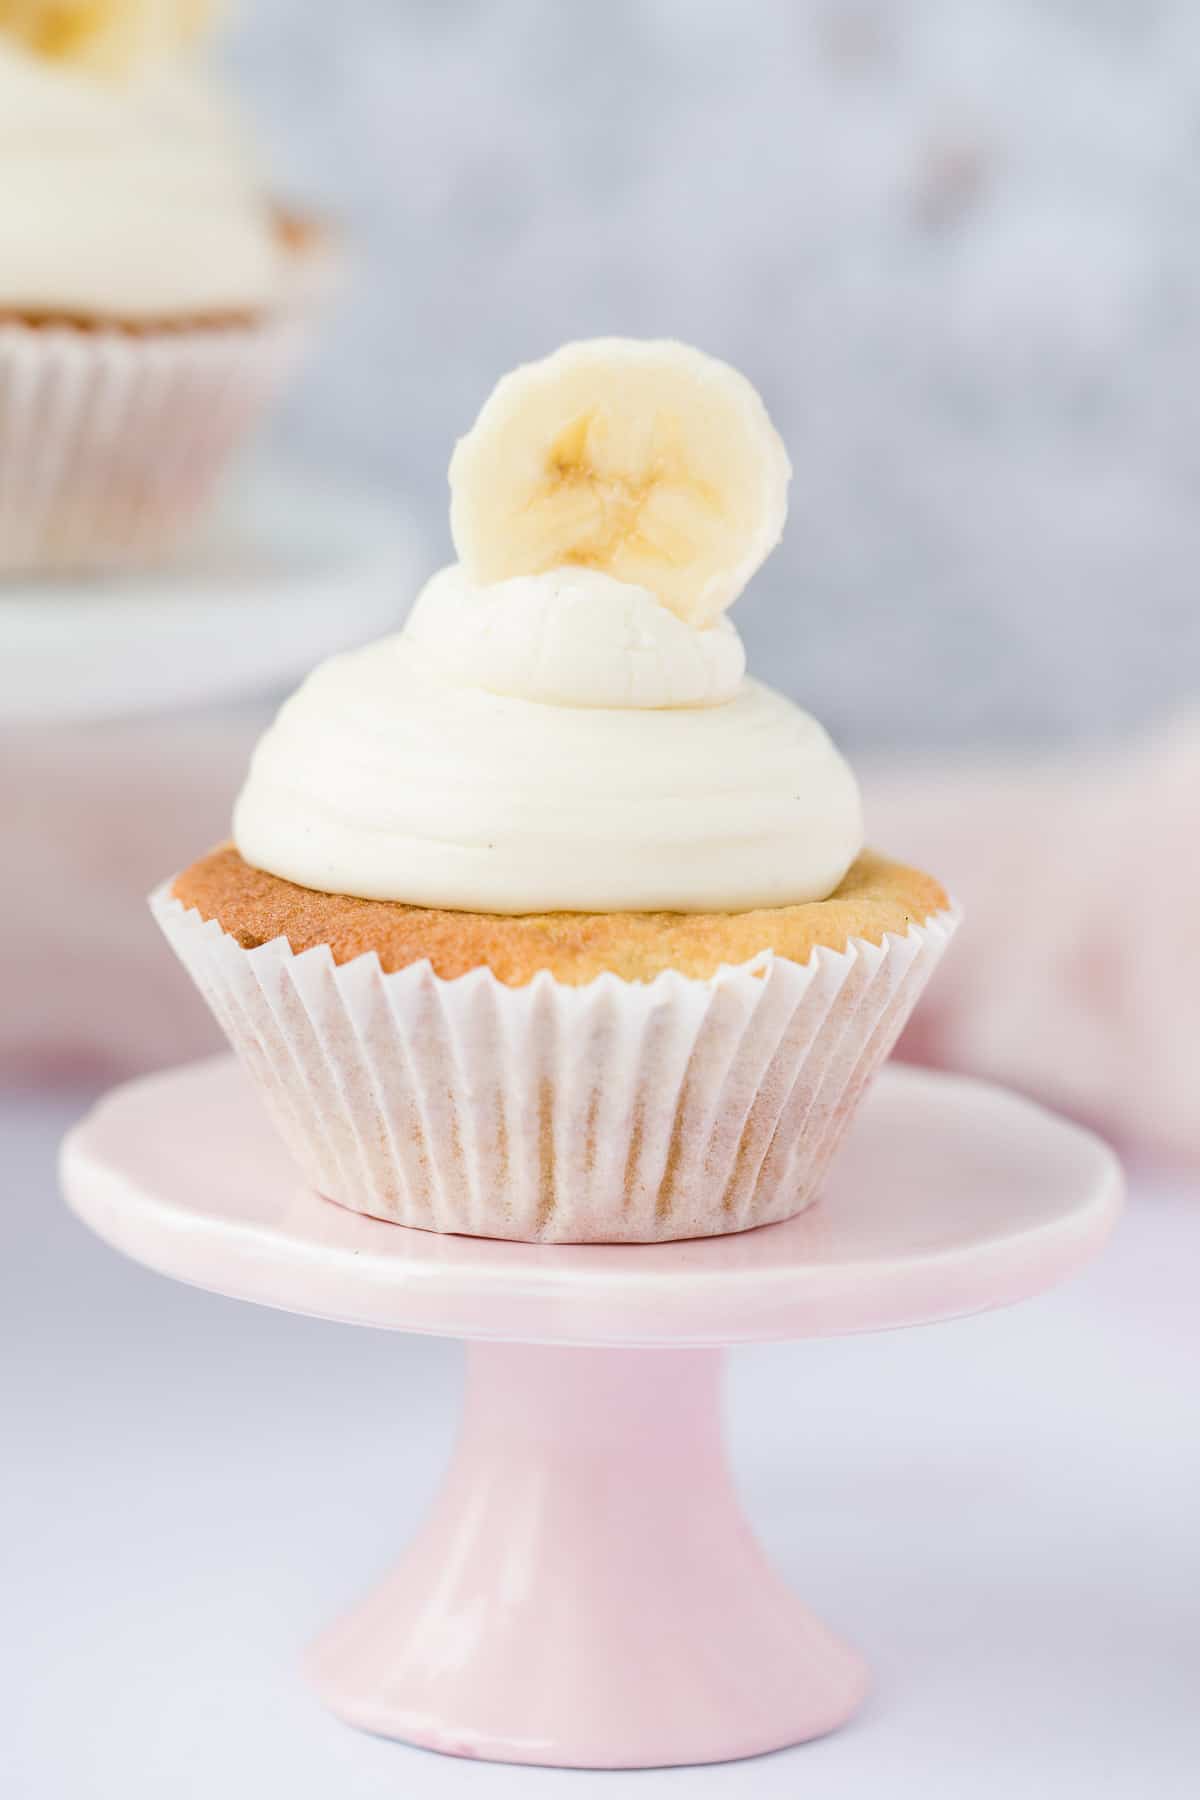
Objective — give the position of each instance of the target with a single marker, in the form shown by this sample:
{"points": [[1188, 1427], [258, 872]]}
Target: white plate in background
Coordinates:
{"points": [[292, 568]]}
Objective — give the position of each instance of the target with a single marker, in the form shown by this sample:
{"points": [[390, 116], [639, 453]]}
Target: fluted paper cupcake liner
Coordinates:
{"points": [[617, 1111], [112, 442]]}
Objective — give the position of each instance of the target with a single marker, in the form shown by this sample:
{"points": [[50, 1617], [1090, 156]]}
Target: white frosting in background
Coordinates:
{"points": [[573, 637], [395, 773], [131, 198]]}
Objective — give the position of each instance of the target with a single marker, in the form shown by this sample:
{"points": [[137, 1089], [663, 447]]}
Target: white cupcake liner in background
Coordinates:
{"points": [[617, 1111], [112, 442]]}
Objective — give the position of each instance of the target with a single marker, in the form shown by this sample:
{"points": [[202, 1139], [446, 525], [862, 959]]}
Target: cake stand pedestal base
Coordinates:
{"points": [[587, 1590]]}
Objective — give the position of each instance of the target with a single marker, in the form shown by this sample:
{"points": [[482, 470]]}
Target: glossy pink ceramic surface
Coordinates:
{"points": [[586, 1590], [948, 1196]]}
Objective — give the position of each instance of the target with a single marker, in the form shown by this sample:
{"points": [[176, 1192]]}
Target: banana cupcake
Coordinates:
{"points": [[152, 299], [542, 920]]}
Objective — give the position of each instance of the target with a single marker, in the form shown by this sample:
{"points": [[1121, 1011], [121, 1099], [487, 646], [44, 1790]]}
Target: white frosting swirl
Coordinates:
{"points": [[395, 773], [129, 198], [573, 637]]}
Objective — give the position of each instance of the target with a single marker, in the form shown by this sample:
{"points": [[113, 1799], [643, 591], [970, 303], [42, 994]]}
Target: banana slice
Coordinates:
{"points": [[647, 460], [106, 36]]}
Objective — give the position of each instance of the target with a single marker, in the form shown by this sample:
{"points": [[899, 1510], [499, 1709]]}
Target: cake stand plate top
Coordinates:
{"points": [[949, 1196]]}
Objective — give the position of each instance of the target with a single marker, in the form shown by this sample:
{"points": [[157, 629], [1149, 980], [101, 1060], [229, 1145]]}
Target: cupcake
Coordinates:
{"points": [[152, 298], [541, 919]]}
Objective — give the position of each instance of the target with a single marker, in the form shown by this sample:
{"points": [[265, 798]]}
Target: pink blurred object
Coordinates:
{"points": [[1076, 973], [91, 818]]}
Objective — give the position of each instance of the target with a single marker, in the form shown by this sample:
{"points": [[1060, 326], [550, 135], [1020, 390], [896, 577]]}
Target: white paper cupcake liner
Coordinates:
{"points": [[614, 1112], [111, 443]]}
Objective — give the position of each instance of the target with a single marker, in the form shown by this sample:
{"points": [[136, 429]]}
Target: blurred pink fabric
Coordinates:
{"points": [[1076, 975], [93, 817]]}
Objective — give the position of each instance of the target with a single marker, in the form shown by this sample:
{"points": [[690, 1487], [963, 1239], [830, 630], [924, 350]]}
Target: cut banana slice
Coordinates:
{"points": [[647, 460], [106, 36]]}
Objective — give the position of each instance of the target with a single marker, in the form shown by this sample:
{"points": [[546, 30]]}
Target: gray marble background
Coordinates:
{"points": [[955, 243]]}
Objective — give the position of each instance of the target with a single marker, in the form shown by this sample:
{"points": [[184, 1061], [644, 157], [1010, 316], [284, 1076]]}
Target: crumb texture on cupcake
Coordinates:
{"points": [[876, 897]]}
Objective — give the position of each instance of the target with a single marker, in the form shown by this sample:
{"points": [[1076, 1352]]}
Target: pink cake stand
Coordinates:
{"points": [[586, 1591]]}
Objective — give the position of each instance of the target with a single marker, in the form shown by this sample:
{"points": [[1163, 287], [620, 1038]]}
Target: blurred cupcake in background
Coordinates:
{"points": [[152, 297]]}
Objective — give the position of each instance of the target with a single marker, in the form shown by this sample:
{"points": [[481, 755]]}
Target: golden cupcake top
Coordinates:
{"points": [[877, 897]]}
